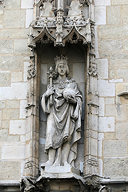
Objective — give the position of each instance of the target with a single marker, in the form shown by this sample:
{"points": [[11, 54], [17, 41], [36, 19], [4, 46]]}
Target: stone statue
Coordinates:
{"points": [[63, 104]]}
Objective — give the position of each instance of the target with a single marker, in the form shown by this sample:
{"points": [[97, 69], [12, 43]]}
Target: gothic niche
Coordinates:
{"points": [[62, 43], [62, 93]]}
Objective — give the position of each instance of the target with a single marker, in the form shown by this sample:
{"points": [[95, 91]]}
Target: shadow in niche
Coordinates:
{"points": [[76, 55]]}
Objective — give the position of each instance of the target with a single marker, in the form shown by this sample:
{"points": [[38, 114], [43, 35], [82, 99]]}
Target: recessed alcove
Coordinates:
{"points": [[77, 62]]}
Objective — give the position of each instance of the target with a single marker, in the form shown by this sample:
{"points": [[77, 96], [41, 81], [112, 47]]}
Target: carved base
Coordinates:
{"points": [[60, 171], [62, 182]]}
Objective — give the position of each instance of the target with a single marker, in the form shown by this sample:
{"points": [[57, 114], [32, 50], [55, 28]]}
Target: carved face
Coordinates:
{"points": [[61, 69]]}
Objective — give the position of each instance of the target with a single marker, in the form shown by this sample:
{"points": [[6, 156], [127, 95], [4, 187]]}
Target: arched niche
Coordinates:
{"points": [[74, 38], [77, 62]]}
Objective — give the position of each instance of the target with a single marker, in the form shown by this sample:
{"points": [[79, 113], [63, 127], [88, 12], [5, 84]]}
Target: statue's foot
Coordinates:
{"points": [[47, 164]]}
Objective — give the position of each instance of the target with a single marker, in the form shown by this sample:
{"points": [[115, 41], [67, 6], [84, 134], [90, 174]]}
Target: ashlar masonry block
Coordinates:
{"points": [[122, 130], [102, 65], [29, 17], [12, 104], [106, 124], [119, 2], [14, 151], [13, 4], [16, 91], [6, 46], [100, 15], [5, 79], [27, 4], [114, 167], [114, 15], [115, 148], [10, 170], [17, 127], [20, 46], [16, 77], [106, 88], [14, 19]]}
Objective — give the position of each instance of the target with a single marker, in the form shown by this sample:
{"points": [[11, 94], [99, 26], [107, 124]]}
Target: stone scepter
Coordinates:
{"points": [[51, 73]]}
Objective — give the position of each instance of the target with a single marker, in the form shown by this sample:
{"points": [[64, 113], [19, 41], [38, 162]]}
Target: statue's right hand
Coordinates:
{"points": [[49, 91]]}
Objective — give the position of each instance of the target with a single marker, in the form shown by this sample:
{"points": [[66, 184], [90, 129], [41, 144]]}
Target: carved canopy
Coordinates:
{"points": [[59, 21]]}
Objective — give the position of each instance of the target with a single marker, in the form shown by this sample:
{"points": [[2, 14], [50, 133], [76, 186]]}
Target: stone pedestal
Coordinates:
{"points": [[61, 179]]}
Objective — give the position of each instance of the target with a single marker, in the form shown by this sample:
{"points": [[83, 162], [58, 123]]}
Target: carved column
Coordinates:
{"points": [[32, 125], [91, 132]]}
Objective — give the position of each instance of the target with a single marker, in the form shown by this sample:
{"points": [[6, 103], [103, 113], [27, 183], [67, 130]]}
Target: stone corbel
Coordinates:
{"points": [[123, 94]]}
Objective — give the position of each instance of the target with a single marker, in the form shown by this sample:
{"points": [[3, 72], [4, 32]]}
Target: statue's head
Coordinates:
{"points": [[61, 66]]}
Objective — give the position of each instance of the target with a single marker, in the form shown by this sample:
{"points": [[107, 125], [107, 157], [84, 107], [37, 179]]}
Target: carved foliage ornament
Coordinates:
{"points": [[31, 68], [53, 18]]}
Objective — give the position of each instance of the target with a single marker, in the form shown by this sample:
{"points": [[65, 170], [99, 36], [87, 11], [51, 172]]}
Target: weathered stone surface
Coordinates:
{"points": [[102, 2], [14, 19], [22, 138], [106, 89], [102, 65], [93, 146], [116, 80], [26, 64], [112, 32], [118, 69], [109, 101], [20, 46], [14, 92], [27, 4], [115, 148], [11, 63], [5, 137], [100, 144], [12, 33], [122, 130], [12, 104], [101, 106], [116, 167], [17, 127], [113, 15], [23, 104], [119, 2], [14, 151], [100, 15], [10, 170], [3, 134], [110, 48], [79, 77], [5, 79], [29, 17], [110, 110], [122, 113], [124, 15], [106, 124], [13, 4], [93, 122], [5, 124], [10, 114], [16, 77], [110, 136], [6, 46]]}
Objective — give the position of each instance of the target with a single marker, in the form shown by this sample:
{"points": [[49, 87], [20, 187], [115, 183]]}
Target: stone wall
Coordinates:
{"points": [[112, 59], [15, 17]]}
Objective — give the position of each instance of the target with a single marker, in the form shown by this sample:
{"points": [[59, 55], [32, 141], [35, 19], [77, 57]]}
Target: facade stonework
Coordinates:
{"points": [[103, 81]]}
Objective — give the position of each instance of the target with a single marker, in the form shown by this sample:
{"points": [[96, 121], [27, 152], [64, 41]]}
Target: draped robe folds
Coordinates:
{"points": [[64, 117]]}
